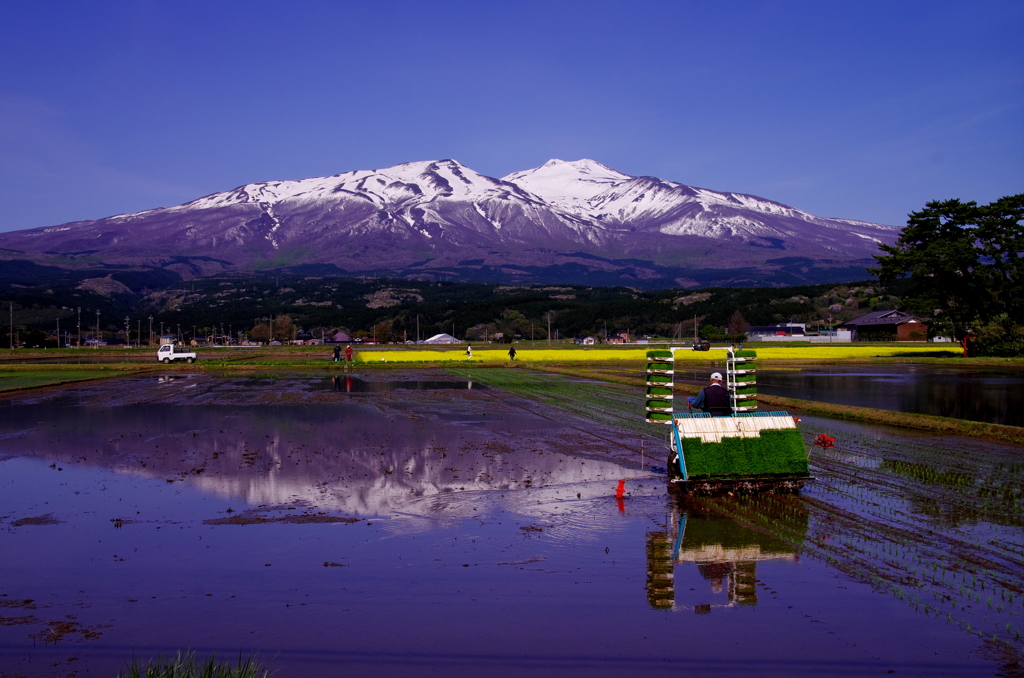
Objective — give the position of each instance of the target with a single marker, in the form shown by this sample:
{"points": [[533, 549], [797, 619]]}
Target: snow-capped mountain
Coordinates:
{"points": [[560, 222], [602, 195]]}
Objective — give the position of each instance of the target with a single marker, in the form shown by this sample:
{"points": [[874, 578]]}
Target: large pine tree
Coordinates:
{"points": [[964, 263]]}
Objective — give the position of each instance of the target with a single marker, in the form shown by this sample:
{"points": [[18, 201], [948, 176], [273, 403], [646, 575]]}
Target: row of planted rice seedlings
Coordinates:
{"points": [[1008, 565], [960, 492], [895, 561], [900, 561], [889, 565]]}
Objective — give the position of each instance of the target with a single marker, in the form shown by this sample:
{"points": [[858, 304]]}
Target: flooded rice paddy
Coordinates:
{"points": [[411, 524], [976, 394], [990, 395]]}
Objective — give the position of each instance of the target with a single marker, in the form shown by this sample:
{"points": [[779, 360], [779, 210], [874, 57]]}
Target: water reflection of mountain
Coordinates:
{"points": [[356, 457], [725, 553]]}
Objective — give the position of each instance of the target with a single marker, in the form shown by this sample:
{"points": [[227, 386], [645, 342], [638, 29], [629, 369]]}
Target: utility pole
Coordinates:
{"points": [[97, 329], [58, 332], [138, 334], [127, 331], [150, 342], [79, 327], [417, 328], [12, 325], [549, 327]]}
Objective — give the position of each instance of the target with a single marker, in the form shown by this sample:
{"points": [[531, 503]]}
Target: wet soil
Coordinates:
{"points": [[452, 530]]}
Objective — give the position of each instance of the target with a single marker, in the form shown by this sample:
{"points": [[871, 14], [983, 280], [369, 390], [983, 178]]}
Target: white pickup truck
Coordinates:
{"points": [[167, 354]]}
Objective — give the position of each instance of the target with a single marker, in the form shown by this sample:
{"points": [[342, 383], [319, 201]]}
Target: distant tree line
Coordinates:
{"points": [[282, 307]]}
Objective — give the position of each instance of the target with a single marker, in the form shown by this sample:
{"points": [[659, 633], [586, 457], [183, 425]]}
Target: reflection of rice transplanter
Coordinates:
{"points": [[725, 552]]}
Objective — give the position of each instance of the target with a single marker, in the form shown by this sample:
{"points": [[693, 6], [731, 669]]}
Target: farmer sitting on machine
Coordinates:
{"points": [[713, 398]]}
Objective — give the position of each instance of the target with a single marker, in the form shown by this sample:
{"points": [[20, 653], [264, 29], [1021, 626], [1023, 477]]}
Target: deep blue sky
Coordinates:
{"points": [[856, 109]]}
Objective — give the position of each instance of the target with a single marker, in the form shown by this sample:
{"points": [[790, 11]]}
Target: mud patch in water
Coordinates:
{"points": [[260, 517], [45, 519]]}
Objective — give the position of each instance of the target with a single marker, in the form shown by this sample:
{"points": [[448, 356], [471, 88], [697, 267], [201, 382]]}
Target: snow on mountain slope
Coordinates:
{"points": [[441, 213], [590, 190], [419, 181], [568, 184]]}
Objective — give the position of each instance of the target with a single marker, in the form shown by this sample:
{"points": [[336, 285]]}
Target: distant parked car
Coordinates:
{"points": [[167, 354]]}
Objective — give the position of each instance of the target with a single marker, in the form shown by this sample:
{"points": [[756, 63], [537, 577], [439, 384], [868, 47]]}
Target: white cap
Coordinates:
{"points": [[716, 376]]}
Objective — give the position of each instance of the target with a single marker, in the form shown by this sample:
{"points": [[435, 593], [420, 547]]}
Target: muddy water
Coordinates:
{"points": [[461, 531]]}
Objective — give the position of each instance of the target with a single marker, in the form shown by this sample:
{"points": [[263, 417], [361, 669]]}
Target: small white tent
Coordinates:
{"points": [[442, 339]]}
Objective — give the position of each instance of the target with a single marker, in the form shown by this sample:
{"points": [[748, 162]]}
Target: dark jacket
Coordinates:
{"points": [[714, 399]]}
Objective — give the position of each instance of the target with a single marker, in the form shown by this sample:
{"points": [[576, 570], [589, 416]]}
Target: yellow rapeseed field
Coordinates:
{"points": [[526, 354]]}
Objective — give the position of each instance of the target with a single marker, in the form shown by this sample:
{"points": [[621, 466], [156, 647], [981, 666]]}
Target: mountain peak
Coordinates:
{"points": [[417, 218], [582, 165], [568, 181]]}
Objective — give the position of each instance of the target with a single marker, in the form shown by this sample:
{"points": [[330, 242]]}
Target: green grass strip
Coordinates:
{"points": [[16, 378], [920, 422]]}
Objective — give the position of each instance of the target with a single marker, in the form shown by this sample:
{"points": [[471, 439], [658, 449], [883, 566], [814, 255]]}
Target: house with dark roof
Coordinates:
{"points": [[887, 326]]}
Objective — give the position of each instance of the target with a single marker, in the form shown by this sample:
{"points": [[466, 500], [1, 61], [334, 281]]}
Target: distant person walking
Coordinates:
{"points": [[337, 353], [512, 353], [348, 353], [469, 352]]}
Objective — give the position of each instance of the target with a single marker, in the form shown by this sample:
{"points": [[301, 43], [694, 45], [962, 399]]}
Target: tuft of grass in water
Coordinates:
{"points": [[186, 665]]}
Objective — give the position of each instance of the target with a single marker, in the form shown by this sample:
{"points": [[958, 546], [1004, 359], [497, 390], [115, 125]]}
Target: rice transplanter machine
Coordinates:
{"points": [[744, 451]]}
